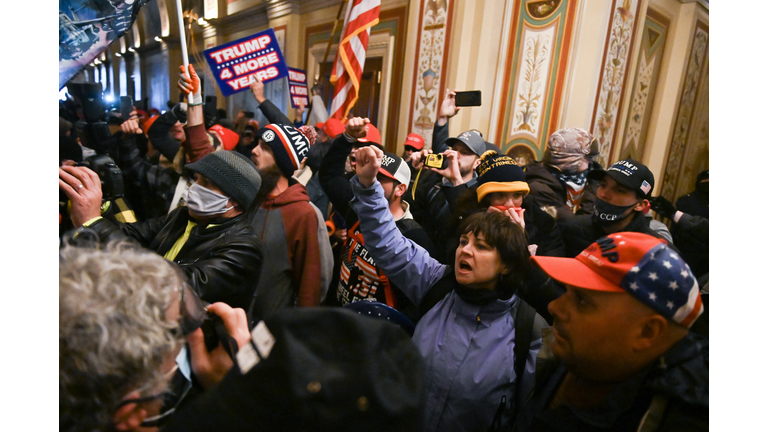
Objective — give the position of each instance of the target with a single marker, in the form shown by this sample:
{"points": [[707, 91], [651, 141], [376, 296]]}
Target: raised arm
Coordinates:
{"points": [[332, 179], [405, 263], [440, 131], [196, 144], [270, 111]]}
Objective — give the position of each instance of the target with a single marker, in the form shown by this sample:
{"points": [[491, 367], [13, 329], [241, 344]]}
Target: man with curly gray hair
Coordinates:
{"points": [[115, 330], [122, 314]]}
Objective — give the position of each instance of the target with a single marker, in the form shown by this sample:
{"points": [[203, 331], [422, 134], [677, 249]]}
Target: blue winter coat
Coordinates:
{"points": [[468, 349]]}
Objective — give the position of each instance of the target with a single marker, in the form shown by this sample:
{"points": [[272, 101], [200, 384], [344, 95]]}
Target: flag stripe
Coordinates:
{"points": [[350, 57]]}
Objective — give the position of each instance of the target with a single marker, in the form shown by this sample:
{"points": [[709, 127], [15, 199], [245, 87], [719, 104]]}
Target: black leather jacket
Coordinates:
{"points": [[222, 262]]}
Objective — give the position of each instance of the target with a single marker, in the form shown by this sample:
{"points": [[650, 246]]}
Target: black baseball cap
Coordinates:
{"points": [[628, 173]]}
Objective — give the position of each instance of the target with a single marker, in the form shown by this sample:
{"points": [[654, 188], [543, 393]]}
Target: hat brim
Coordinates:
{"points": [[619, 178], [387, 174], [571, 271], [449, 141], [490, 187]]}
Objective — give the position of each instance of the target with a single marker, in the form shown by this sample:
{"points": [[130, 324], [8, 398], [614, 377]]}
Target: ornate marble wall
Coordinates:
{"points": [[646, 76], [534, 75], [613, 75], [688, 150], [428, 83]]}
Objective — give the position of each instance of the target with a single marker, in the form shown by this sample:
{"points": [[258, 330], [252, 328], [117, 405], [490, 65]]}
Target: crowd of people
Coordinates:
{"points": [[219, 274]]}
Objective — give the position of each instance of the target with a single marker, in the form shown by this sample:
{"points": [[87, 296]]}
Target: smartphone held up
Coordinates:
{"points": [[469, 98]]}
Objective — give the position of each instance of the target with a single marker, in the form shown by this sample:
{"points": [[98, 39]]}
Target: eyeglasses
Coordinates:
{"points": [[180, 387]]}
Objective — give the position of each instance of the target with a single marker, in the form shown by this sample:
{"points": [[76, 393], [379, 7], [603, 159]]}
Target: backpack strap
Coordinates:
{"points": [[528, 326], [524, 317]]}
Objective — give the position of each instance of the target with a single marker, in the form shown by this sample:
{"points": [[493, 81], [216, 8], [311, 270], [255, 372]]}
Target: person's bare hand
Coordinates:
{"points": [[516, 215], [451, 171], [131, 127], [257, 87], [83, 188], [211, 367], [300, 109], [447, 107], [357, 127], [341, 235], [368, 164], [417, 158]]}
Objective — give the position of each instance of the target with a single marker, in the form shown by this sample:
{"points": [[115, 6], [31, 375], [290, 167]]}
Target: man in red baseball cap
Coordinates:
{"points": [[413, 143], [621, 356]]}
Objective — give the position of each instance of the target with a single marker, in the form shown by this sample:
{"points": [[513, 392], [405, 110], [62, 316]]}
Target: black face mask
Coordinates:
{"points": [[609, 214]]}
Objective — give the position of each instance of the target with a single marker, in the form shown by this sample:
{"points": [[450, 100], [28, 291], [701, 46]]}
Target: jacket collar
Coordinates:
{"points": [[485, 313]]}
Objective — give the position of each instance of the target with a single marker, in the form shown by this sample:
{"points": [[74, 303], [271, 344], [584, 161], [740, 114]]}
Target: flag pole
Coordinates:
{"points": [[183, 40], [327, 51], [333, 32]]}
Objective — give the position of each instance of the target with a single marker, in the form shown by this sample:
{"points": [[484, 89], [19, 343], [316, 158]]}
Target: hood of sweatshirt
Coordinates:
{"points": [[294, 193]]}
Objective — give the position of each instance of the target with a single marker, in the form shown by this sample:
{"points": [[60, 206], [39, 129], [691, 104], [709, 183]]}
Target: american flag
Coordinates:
{"points": [[350, 58], [663, 281]]}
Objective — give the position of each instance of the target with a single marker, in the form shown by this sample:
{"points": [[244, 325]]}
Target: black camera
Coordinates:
{"points": [[437, 161], [214, 332], [93, 130], [210, 334], [109, 173]]}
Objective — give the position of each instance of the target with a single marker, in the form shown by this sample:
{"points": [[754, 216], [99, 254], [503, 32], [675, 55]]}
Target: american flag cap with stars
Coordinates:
{"points": [[639, 264]]}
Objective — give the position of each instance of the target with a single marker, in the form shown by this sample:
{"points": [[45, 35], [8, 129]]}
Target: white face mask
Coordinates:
{"points": [[205, 202]]}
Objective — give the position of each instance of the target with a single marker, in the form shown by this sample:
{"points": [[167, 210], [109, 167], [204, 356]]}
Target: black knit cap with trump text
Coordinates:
{"points": [[289, 145]]}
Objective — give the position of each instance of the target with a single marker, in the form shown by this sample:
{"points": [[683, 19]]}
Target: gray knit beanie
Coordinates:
{"points": [[233, 173]]}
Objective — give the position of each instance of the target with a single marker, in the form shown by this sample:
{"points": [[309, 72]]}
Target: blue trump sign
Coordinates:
{"points": [[234, 63], [297, 83]]}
